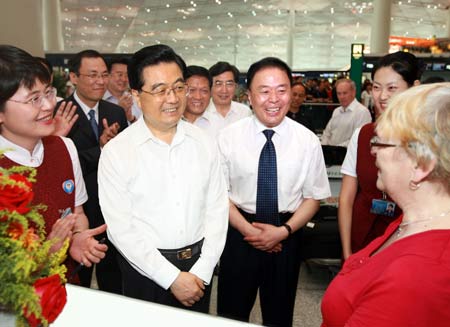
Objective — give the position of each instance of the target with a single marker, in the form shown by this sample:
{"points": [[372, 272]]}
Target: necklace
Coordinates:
{"points": [[402, 225]]}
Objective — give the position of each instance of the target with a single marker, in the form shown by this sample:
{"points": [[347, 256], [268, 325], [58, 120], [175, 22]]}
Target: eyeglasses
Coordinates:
{"points": [[375, 142], [164, 90], [38, 100], [95, 76], [228, 84]]}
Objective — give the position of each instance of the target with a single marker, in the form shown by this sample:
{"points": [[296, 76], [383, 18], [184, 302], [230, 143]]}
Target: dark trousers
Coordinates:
{"points": [[140, 287], [244, 270], [107, 272]]}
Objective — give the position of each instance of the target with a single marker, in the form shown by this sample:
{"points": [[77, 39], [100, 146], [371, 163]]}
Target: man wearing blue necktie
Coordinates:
{"points": [[276, 177], [98, 122]]}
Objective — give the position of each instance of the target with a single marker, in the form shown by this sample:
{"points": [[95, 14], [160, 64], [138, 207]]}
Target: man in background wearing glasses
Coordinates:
{"points": [[222, 110], [99, 121], [162, 190]]}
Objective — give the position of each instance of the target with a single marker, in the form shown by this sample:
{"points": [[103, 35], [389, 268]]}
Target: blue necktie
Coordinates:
{"points": [[94, 125], [267, 191]]}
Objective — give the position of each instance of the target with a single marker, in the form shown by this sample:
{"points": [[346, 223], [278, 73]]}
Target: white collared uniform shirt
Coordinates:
{"points": [[23, 157], [159, 196], [301, 168], [343, 123], [213, 122]]}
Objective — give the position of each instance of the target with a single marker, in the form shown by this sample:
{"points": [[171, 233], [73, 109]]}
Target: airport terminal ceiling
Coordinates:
{"points": [[242, 31]]}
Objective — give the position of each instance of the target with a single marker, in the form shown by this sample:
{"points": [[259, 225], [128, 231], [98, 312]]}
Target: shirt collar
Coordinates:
{"points": [[144, 134], [108, 96], [260, 127], [212, 108], [84, 107], [21, 155], [350, 107]]}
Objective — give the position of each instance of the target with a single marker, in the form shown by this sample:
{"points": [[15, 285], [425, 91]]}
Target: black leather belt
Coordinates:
{"points": [[250, 217], [184, 253]]}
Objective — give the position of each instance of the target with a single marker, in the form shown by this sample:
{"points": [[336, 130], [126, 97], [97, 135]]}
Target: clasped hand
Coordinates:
{"points": [[187, 288], [266, 237]]}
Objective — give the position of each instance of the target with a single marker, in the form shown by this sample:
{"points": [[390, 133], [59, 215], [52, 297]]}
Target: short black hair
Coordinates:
{"points": [[114, 61], [75, 61], [266, 63], [46, 63], [222, 67], [198, 71], [403, 63], [18, 68], [151, 56], [298, 83]]}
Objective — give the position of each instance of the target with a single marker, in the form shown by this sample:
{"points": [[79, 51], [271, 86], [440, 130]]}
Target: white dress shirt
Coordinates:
{"points": [[159, 196], [23, 157], [85, 107], [301, 168], [137, 113], [343, 123], [349, 165], [212, 121]]}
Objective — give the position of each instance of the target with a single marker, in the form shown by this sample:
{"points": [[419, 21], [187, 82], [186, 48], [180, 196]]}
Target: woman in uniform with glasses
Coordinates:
{"points": [[403, 277], [27, 123], [364, 211]]}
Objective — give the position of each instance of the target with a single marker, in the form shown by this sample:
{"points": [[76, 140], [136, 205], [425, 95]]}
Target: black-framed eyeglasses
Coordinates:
{"points": [[38, 100], [376, 142], [163, 91]]}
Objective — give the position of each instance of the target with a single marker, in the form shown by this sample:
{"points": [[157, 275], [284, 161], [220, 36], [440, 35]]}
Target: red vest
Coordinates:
{"points": [[55, 184], [367, 226]]}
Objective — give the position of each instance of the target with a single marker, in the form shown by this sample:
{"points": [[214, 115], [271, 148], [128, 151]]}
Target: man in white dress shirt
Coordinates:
{"points": [[198, 82], [162, 191], [117, 89], [346, 118], [259, 254], [222, 110]]}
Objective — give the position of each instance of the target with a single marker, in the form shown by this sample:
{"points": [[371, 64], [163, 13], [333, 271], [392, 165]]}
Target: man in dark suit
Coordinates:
{"points": [[98, 122]]}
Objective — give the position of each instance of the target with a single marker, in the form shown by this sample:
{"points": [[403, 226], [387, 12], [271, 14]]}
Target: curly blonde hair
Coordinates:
{"points": [[420, 119]]}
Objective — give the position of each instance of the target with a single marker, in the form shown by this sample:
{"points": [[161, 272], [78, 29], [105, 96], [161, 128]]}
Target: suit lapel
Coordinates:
{"points": [[84, 126]]}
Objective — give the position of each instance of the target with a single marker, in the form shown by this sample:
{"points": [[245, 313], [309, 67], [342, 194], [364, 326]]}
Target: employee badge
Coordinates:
{"points": [[68, 186], [383, 207]]}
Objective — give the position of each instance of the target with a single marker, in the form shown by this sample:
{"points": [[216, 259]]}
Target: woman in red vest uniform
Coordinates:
{"points": [[402, 277], [364, 212], [27, 101]]}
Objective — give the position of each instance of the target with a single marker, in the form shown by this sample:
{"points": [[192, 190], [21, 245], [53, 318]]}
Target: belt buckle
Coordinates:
{"points": [[184, 254]]}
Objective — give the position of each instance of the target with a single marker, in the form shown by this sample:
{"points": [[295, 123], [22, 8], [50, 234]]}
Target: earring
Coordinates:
{"points": [[413, 186]]}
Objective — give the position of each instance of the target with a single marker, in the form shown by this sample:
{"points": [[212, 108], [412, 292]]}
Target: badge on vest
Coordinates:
{"points": [[68, 186]]}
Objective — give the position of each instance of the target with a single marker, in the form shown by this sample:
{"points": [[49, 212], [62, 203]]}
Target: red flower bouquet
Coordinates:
{"points": [[32, 280]]}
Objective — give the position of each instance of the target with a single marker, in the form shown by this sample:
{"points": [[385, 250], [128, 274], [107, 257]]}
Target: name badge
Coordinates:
{"points": [[383, 207]]}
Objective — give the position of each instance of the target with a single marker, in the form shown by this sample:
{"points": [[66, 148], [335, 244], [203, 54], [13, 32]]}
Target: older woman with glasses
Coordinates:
{"points": [[27, 123], [364, 211], [403, 277]]}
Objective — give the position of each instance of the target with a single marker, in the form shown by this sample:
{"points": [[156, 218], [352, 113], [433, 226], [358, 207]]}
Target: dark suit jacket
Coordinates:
{"points": [[89, 151]]}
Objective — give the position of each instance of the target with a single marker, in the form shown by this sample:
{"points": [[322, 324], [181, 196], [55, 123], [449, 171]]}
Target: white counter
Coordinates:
{"points": [[87, 307]]}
